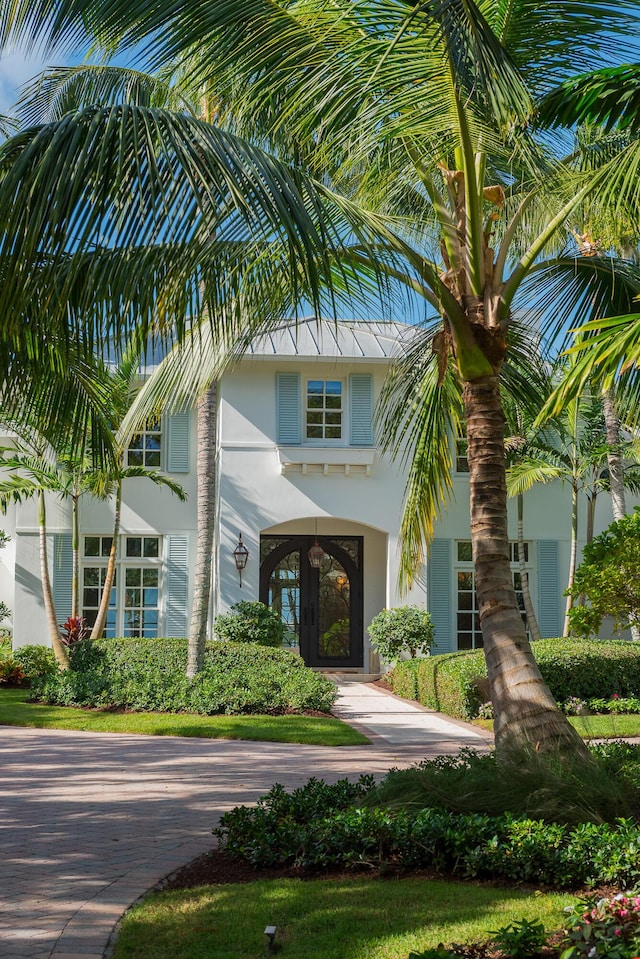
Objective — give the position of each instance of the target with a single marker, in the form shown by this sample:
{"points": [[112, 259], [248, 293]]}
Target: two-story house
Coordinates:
{"points": [[318, 507]]}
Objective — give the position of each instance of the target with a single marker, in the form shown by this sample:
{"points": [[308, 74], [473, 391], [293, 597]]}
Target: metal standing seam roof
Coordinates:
{"points": [[312, 337]]}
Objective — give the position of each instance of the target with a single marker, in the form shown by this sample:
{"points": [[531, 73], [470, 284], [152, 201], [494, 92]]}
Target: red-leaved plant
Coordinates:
{"points": [[73, 630]]}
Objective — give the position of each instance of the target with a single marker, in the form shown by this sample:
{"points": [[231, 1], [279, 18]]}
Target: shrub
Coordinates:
{"points": [[11, 673], [251, 622], [321, 826], [455, 683], [609, 577], [74, 630], [149, 675], [404, 678], [520, 939], [36, 661], [603, 927], [405, 629]]}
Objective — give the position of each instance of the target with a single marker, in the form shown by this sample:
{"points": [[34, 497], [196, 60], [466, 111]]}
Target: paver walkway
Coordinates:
{"points": [[88, 822]]}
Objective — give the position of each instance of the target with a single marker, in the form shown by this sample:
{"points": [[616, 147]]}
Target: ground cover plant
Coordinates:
{"points": [[568, 826], [354, 918], [15, 710], [149, 675], [455, 683]]}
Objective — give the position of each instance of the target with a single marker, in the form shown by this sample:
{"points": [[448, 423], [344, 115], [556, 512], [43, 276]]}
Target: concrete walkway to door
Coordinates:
{"points": [[89, 822]]}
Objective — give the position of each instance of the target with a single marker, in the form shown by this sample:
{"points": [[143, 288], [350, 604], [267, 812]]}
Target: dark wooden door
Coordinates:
{"points": [[323, 608]]}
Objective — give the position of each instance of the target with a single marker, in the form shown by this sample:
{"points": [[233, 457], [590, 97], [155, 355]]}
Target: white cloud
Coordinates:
{"points": [[16, 68]]}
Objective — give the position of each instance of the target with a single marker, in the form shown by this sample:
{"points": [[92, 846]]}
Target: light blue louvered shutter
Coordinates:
{"points": [[439, 595], [288, 413], [178, 442], [548, 589], [62, 574], [176, 585], [361, 409]]}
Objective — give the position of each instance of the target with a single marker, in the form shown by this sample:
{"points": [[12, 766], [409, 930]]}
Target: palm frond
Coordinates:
{"points": [[609, 97], [528, 470], [61, 90], [417, 418]]}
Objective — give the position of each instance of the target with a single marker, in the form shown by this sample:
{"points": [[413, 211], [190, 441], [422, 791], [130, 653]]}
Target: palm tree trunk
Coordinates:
{"points": [[591, 515], [574, 555], [206, 514], [532, 619], [616, 466], [75, 553], [103, 609], [614, 459], [526, 713], [59, 649]]}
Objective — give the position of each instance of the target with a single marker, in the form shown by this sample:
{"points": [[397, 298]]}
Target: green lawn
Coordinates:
{"points": [[358, 918], [593, 727], [315, 731]]}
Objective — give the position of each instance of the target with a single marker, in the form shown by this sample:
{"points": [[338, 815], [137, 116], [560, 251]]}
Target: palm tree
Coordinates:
{"points": [[414, 111], [38, 468], [571, 449]]}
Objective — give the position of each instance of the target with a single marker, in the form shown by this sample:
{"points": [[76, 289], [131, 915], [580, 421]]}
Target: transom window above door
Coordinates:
{"points": [[324, 409]]}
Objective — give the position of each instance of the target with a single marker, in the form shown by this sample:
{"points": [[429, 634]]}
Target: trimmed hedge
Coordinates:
{"points": [[583, 668], [149, 675], [404, 678]]}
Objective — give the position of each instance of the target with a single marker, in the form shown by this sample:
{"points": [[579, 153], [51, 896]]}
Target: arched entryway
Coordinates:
{"points": [[323, 607]]}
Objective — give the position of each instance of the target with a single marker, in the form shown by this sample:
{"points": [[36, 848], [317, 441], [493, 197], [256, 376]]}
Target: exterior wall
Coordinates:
{"points": [[333, 489], [257, 497], [146, 509]]}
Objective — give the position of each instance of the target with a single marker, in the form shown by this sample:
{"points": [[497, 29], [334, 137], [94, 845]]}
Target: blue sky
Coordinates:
{"points": [[16, 68]]}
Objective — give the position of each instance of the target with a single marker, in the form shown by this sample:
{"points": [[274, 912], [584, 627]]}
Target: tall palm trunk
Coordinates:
{"points": [[103, 609], [573, 559], [616, 465], [206, 515], [532, 619], [59, 649], [526, 713], [614, 459], [75, 554]]}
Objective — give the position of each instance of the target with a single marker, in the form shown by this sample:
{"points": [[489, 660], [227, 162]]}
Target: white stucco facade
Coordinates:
{"points": [[283, 489]]}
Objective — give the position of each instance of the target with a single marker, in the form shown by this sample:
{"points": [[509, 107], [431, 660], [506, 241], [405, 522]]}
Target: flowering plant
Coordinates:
{"points": [[608, 927]]}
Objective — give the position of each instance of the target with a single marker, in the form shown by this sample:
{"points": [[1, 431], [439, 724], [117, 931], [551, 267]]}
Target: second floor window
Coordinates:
{"points": [[324, 410], [145, 448]]}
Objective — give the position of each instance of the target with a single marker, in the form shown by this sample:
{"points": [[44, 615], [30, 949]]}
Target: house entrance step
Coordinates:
{"points": [[354, 677]]}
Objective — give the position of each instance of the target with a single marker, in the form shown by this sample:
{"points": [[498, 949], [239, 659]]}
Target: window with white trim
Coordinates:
{"points": [[324, 410], [134, 604], [462, 446], [468, 632], [145, 448]]}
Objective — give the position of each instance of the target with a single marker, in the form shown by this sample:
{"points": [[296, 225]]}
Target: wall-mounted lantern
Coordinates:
{"points": [[240, 556]]}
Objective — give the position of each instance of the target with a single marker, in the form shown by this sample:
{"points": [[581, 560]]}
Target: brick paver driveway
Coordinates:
{"points": [[89, 822]]}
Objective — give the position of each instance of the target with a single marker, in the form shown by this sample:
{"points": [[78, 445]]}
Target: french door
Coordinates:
{"points": [[322, 607]]}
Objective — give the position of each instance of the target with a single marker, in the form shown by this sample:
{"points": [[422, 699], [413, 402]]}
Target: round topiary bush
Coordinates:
{"points": [[405, 629], [251, 622]]}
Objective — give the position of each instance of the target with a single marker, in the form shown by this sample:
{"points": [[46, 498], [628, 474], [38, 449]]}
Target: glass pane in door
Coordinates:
{"points": [[334, 623], [284, 595]]}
